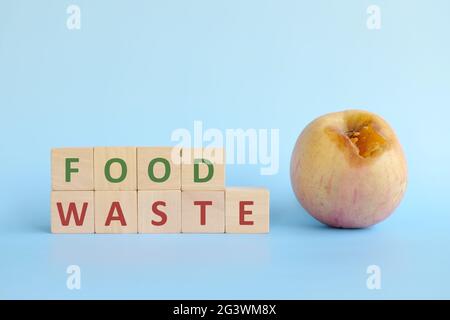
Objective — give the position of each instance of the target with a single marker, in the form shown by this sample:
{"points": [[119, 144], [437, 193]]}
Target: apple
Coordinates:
{"points": [[348, 169]]}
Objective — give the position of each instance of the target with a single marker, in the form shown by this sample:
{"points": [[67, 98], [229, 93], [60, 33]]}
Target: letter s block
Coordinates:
{"points": [[115, 168], [159, 211], [247, 210], [73, 169], [203, 169], [72, 211]]}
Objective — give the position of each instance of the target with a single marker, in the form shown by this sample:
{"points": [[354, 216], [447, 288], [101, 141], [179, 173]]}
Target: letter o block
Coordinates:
{"points": [[115, 168], [159, 168]]}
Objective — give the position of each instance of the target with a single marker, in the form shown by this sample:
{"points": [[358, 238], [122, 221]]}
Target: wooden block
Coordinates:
{"points": [[203, 212], [72, 211], [159, 211], [115, 168], [116, 211], [247, 210], [203, 169], [159, 168], [73, 169]]}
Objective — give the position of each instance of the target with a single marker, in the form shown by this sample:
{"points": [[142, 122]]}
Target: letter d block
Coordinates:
{"points": [[72, 211], [203, 169], [115, 211], [115, 168], [73, 169], [247, 210], [203, 211]]}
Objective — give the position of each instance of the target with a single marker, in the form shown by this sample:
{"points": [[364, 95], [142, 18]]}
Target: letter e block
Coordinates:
{"points": [[115, 168], [247, 210], [203, 212], [159, 168], [116, 211], [73, 169], [159, 211], [203, 169], [72, 211]]}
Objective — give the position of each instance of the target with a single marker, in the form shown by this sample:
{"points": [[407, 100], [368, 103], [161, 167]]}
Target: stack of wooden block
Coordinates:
{"points": [[150, 190]]}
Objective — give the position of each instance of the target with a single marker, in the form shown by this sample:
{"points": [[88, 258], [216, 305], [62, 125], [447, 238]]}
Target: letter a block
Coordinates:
{"points": [[159, 168], [73, 169], [159, 211], [72, 211], [203, 169], [247, 210], [115, 168], [116, 211], [203, 212]]}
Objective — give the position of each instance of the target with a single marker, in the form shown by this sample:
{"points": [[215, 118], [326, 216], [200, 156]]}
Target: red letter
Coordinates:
{"points": [[159, 213], [203, 205], [115, 206], [72, 209], [243, 212]]}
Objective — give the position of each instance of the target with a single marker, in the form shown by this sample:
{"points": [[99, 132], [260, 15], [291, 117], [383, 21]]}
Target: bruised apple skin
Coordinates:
{"points": [[348, 169]]}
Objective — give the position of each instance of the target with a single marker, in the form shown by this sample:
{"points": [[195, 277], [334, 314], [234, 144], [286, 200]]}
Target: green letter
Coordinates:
{"points": [[108, 170], [151, 173], [69, 168], [197, 171]]}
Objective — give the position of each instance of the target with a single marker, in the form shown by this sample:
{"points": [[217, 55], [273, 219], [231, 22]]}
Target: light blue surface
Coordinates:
{"points": [[139, 69]]}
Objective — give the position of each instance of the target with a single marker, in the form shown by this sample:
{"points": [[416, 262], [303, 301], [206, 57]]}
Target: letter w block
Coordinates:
{"points": [[72, 211]]}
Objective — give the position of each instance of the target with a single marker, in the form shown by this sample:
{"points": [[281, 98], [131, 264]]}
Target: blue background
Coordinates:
{"points": [[137, 70]]}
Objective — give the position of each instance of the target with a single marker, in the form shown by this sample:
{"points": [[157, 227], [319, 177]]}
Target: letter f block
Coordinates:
{"points": [[73, 169]]}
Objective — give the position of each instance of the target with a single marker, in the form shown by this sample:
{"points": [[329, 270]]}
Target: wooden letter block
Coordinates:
{"points": [[159, 211], [203, 212], [159, 168], [115, 168], [72, 211], [116, 211], [73, 169], [203, 169], [247, 210]]}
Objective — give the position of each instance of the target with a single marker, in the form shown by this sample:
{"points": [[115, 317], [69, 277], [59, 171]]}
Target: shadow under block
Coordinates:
{"points": [[116, 211], [247, 210], [203, 212], [159, 211], [203, 169], [159, 168], [72, 211], [115, 168], [73, 169]]}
